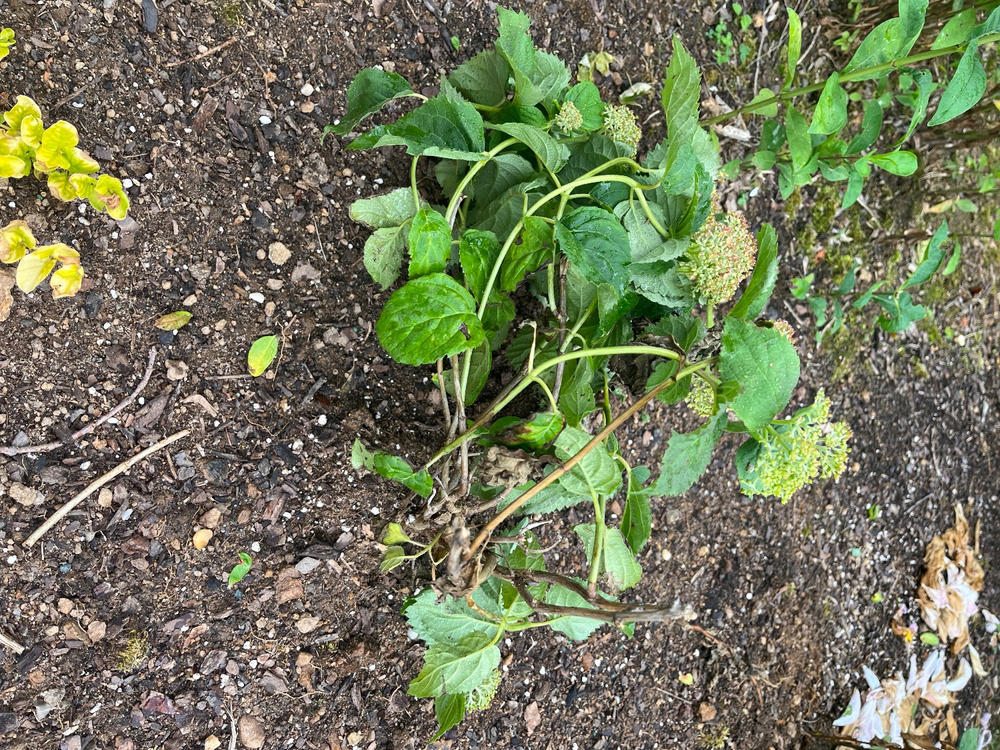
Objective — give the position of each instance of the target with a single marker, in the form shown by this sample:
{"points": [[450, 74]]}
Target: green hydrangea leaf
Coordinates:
{"points": [[587, 99], [483, 79], [765, 273], [637, 518], [429, 241], [533, 250], [687, 456], [370, 90], [384, 211], [478, 252], [551, 153], [765, 365], [594, 240], [573, 627], [597, 473], [449, 710], [429, 318], [617, 560], [456, 667]]}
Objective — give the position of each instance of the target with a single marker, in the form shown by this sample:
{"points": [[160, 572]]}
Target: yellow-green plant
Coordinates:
{"points": [[28, 147], [6, 42]]}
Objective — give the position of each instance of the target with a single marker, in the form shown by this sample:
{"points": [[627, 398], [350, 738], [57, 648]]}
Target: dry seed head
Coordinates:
{"points": [[721, 255], [783, 327]]}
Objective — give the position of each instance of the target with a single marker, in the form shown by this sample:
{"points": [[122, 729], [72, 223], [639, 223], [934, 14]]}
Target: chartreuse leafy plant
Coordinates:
{"points": [[843, 134], [28, 147], [545, 247]]}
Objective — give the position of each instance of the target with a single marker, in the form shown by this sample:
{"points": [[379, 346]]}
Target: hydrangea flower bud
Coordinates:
{"points": [[792, 455], [620, 126], [701, 397], [480, 697], [569, 118], [721, 255], [783, 327]]}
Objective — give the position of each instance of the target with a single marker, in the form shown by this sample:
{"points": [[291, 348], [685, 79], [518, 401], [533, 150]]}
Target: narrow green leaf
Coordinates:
{"points": [[515, 43], [932, 260], [765, 364], [239, 571], [965, 89], [830, 115], [765, 95], [794, 50], [679, 98], [594, 240], [551, 153], [370, 90], [871, 126], [478, 252], [902, 163], [765, 274], [855, 183], [396, 469], [957, 30], [429, 318], [954, 260], [455, 668], [429, 241], [261, 355], [687, 456], [636, 518], [799, 142]]}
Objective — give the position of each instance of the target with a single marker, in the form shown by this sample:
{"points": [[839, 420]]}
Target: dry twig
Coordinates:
{"points": [[206, 53], [10, 643], [100, 482], [11, 450]]}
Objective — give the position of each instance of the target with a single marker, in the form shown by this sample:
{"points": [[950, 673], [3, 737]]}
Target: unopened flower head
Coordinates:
{"points": [[701, 397], [783, 327], [569, 118], [721, 255], [620, 126], [480, 697], [793, 454]]}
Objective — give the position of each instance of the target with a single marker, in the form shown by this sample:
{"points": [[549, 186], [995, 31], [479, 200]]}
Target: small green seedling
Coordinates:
{"points": [[6, 42], [261, 355], [456, 43], [239, 572]]}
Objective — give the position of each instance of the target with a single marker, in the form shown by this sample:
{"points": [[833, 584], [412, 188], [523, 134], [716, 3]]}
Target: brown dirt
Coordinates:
{"points": [[224, 155]]}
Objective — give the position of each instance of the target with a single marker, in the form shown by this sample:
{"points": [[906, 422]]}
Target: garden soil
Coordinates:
{"points": [[213, 112]]}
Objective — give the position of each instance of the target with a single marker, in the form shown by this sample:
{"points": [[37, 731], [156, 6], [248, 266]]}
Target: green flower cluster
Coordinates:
{"points": [[480, 698], [795, 452], [783, 327], [721, 255], [569, 118], [621, 127], [701, 397]]}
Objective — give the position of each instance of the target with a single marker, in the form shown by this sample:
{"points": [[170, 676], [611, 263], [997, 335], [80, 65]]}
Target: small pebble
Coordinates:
{"points": [[251, 732], [201, 538], [307, 90], [257, 297]]}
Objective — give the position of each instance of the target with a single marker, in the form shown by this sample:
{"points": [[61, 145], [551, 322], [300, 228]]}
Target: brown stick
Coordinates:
{"points": [[87, 429], [631, 613], [10, 643], [100, 482], [206, 53], [613, 425]]}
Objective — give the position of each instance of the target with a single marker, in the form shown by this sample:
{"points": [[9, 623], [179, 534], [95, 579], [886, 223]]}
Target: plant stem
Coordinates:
{"points": [[532, 375], [856, 75], [507, 512], [456, 199], [600, 530], [413, 183]]}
